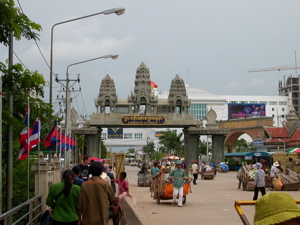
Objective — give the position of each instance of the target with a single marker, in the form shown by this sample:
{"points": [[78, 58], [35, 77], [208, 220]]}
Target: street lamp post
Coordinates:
{"points": [[67, 116], [283, 144], [117, 11]]}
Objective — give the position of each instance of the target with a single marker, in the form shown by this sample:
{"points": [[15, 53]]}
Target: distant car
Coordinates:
{"points": [[134, 164]]}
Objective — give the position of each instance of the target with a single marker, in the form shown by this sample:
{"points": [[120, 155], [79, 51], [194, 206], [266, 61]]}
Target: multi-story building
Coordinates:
{"points": [[290, 87]]}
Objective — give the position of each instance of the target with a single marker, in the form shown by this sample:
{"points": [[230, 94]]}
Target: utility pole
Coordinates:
{"points": [[66, 84]]}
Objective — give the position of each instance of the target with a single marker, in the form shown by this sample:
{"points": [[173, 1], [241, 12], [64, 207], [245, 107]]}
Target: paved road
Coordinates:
{"points": [[211, 202]]}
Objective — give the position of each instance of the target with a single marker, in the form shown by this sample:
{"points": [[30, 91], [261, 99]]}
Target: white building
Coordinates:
{"points": [[201, 101]]}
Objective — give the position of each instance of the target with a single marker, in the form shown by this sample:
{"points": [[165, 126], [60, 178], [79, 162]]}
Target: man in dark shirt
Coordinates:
{"points": [[85, 168]]}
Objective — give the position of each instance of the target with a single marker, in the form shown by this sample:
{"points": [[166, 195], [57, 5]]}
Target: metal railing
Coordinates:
{"points": [[33, 211]]}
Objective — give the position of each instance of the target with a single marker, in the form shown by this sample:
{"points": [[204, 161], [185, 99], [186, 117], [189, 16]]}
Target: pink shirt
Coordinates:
{"points": [[123, 185]]}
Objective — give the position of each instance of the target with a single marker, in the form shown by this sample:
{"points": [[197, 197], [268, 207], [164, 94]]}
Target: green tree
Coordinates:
{"points": [[242, 145], [103, 150], [203, 147], [129, 152], [12, 19], [171, 142], [149, 150]]}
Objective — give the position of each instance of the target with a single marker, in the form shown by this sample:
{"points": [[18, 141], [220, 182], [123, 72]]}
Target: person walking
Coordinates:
{"points": [[94, 198], [195, 171], [85, 168], [259, 181], [63, 198], [274, 171], [77, 180], [178, 172]]}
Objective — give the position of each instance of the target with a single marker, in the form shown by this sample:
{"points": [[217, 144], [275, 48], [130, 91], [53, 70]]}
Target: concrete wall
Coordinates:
{"points": [[132, 213]]}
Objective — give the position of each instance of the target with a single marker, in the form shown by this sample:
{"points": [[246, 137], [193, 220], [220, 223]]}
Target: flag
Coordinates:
{"points": [[24, 133], [34, 139], [22, 154], [35, 135], [50, 140]]}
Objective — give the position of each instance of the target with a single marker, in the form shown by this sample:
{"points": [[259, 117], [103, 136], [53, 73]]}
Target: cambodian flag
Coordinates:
{"points": [[50, 140]]}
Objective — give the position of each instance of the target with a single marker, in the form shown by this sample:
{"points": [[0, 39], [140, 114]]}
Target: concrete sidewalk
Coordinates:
{"points": [[211, 202]]}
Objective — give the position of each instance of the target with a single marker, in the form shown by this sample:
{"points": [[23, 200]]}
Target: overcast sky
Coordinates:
{"points": [[210, 44]]}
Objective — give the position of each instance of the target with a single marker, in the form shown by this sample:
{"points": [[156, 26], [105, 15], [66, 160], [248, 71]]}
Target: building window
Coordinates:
{"points": [[282, 109], [233, 102], [282, 103], [127, 135], [252, 101], [273, 109], [199, 110], [264, 102], [243, 101], [138, 136], [103, 136], [272, 103]]}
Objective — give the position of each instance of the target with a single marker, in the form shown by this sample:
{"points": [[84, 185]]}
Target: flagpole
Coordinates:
{"points": [[56, 138], [60, 134], [28, 144], [39, 149]]}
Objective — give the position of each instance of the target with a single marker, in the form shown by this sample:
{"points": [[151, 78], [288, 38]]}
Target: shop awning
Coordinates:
{"points": [[244, 154]]}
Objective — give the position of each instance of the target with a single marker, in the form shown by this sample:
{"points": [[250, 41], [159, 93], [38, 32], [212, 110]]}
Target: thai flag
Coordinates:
{"points": [[24, 133], [34, 140], [35, 135]]}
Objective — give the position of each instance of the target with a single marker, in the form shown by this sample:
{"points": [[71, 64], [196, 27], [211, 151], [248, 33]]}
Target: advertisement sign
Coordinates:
{"points": [[114, 133], [258, 142], [245, 110]]}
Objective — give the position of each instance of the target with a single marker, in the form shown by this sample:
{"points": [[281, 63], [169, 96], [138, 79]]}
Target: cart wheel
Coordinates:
{"points": [[184, 199], [158, 198]]}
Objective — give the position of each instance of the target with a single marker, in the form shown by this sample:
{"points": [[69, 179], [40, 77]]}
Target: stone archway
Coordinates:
{"points": [[254, 127]]}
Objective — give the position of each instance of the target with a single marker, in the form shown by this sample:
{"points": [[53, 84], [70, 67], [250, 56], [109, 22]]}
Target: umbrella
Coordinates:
{"points": [[95, 158], [293, 150]]}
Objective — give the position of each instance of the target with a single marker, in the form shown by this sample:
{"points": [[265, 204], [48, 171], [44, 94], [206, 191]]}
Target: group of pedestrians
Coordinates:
{"points": [[83, 197]]}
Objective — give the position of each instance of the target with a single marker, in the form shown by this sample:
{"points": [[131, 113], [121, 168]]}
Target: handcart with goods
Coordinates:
{"points": [[207, 172], [290, 182], [144, 179], [163, 189], [223, 168], [248, 178]]}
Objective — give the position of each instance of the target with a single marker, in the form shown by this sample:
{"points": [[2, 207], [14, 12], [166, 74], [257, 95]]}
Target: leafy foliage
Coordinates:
{"points": [[242, 145], [12, 19], [171, 142], [130, 151], [203, 147]]}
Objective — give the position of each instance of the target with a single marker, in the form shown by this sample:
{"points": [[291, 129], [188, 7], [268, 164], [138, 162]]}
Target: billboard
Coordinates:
{"points": [[244, 110], [114, 133]]}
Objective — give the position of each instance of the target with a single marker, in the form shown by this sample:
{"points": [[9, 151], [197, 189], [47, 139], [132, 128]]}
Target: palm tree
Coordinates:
{"points": [[172, 142], [242, 145]]}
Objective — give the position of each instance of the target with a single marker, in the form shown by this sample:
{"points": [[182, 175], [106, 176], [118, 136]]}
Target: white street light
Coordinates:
{"points": [[118, 11], [67, 119], [283, 143]]}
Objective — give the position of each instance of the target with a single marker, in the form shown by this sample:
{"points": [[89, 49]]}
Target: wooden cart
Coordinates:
{"points": [[290, 182], [207, 174], [247, 182], [163, 190], [144, 180]]}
